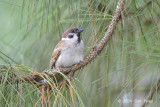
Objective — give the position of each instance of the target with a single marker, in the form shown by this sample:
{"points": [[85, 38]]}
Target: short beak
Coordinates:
{"points": [[80, 30]]}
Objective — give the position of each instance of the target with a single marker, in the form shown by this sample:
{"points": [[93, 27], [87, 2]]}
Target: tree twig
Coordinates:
{"points": [[151, 95]]}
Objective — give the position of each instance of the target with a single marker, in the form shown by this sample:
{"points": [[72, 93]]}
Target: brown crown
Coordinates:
{"points": [[64, 35]]}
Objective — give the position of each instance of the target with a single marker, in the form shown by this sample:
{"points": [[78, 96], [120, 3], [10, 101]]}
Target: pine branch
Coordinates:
{"points": [[99, 47], [34, 78]]}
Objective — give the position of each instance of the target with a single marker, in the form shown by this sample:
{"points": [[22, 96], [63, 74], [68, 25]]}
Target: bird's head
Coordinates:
{"points": [[72, 35]]}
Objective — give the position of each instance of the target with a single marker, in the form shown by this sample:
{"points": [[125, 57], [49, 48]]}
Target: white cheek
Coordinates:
{"points": [[75, 38], [65, 39]]}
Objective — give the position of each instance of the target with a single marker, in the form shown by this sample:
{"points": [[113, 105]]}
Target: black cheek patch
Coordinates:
{"points": [[70, 36]]}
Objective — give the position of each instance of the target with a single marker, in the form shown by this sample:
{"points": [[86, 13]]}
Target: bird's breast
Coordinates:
{"points": [[70, 56]]}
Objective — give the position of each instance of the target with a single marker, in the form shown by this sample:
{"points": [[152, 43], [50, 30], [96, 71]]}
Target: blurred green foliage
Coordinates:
{"points": [[128, 66]]}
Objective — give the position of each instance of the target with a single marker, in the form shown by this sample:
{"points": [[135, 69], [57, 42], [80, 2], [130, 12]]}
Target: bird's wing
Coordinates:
{"points": [[56, 53]]}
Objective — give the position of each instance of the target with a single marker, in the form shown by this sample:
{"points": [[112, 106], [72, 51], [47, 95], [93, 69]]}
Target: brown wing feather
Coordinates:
{"points": [[54, 58], [56, 53]]}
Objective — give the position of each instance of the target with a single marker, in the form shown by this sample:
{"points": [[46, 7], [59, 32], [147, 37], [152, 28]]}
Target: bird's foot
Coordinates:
{"points": [[58, 69]]}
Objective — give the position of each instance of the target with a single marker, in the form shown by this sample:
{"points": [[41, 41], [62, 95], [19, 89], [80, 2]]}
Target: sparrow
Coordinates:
{"points": [[69, 51]]}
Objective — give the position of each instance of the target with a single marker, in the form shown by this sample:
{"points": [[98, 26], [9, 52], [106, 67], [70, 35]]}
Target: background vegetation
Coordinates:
{"points": [[128, 68]]}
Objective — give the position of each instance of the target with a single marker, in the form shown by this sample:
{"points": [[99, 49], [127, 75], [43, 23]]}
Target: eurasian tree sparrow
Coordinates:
{"points": [[69, 51]]}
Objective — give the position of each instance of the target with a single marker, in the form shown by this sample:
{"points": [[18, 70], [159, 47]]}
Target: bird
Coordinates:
{"points": [[69, 51]]}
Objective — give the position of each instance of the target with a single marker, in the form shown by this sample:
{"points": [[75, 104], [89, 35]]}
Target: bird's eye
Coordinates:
{"points": [[70, 36]]}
